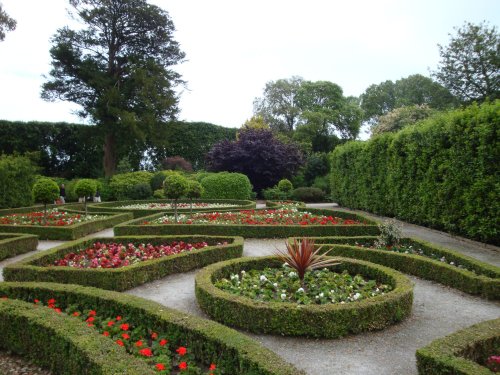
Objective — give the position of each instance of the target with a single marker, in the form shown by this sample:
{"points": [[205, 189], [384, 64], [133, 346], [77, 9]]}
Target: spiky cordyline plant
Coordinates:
{"points": [[301, 256]]}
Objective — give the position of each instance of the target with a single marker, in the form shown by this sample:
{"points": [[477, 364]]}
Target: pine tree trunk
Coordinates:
{"points": [[109, 160]]}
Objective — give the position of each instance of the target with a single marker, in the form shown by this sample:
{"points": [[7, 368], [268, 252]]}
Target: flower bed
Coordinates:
{"points": [[275, 204], [255, 223], [141, 208], [464, 352], [62, 342], [424, 260], [108, 275], [12, 244], [286, 318], [69, 226]]}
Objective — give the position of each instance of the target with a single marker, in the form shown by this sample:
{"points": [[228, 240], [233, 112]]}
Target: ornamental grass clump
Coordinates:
{"points": [[302, 256]]}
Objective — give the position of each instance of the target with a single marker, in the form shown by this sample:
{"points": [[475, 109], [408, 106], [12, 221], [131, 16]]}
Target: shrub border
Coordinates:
{"points": [[327, 321], [455, 354], [61, 343], [35, 268], [112, 206], [70, 232], [487, 286], [12, 244], [252, 231], [276, 204], [231, 350]]}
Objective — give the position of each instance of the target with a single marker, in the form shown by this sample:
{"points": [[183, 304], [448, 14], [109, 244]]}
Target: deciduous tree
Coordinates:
{"points": [[6, 23]]}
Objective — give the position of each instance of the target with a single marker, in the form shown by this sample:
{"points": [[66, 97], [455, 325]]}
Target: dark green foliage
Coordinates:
{"points": [[317, 164], [61, 343], [308, 194], [35, 268], [442, 173], [233, 352], [122, 184], [329, 321], [17, 176], [461, 352], [134, 228], [69, 232], [226, 186], [156, 181], [275, 194], [12, 244], [484, 281], [140, 191]]}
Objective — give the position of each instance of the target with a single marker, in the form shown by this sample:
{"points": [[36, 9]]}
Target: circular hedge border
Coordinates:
{"points": [[458, 352], [36, 267], [281, 318], [233, 352]]}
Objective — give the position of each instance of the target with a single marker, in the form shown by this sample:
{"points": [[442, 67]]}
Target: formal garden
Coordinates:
{"points": [[141, 244]]}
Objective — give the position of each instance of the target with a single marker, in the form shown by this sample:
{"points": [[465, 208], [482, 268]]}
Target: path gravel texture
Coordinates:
{"points": [[437, 311]]}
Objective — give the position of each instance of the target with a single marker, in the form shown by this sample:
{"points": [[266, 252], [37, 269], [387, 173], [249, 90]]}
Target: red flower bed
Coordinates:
{"points": [[54, 218], [116, 255]]}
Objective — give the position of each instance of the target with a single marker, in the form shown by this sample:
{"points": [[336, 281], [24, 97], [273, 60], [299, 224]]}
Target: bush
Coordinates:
{"points": [[322, 183], [86, 188], [285, 185], [17, 176], [226, 185], [282, 318], [15, 244], [308, 194], [157, 181], [140, 191], [121, 184], [317, 165], [159, 194], [442, 172], [195, 190], [45, 191], [275, 194], [176, 163], [462, 351]]}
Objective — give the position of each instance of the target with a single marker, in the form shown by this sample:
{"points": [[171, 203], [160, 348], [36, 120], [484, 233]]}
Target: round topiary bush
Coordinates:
{"points": [[226, 185], [285, 185], [45, 191], [288, 318], [86, 188], [308, 194], [175, 186]]}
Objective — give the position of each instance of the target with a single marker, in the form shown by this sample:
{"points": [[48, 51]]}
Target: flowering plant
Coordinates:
{"points": [[169, 206], [493, 363], [281, 216], [54, 218], [116, 255], [142, 342]]}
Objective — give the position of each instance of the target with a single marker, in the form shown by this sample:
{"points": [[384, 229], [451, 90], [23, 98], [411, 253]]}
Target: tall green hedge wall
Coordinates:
{"points": [[72, 150], [443, 173]]}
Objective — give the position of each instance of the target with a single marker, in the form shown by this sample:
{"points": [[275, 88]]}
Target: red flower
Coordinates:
{"points": [[4, 297], [163, 342], [111, 323], [51, 301], [120, 342], [106, 333], [92, 313], [124, 327], [90, 319], [125, 336], [183, 365], [37, 300], [154, 335], [160, 367], [57, 310], [212, 367], [138, 343], [118, 318], [181, 351], [146, 352]]}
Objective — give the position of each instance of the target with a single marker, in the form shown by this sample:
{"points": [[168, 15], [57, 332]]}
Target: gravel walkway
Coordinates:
{"points": [[437, 311]]}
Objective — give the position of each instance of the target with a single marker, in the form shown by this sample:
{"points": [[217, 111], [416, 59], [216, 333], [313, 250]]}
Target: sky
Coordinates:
{"points": [[234, 47]]}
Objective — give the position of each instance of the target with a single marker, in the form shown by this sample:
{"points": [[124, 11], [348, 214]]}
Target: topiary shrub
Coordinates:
{"points": [[86, 188], [121, 184], [285, 185], [159, 194], [140, 191], [45, 191], [17, 176], [275, 194], [175, 186], [226, 185], [195, 190], [308, 194]]}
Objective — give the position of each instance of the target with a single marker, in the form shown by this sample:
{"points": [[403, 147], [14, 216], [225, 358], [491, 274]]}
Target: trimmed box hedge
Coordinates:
{"points": [[462, 351], [233, 352], [61, 343], [285, 318], [37, 267], [69, 232], [369, 227], [114, 206], [485, 282], [276, 204], [12, 244]]}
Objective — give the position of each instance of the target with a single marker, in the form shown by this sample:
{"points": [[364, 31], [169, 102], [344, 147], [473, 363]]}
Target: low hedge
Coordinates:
{"points": [[135, 227], [284, 318], [233, 352], [461, 352], [61, 343], [276, 204], [37, 267], [484, 281], [12, 244], [69, 232], [114, 206]]}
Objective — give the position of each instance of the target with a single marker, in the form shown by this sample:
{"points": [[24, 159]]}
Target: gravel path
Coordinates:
{"points": [[437, 311]]}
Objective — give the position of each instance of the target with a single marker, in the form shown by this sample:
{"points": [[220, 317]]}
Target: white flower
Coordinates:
{"points": [[321, 295], [356, 296], [243, 272], [275, 285], [263, 278], [283, 296], [300, 290], [452, 263], [292, 274]]}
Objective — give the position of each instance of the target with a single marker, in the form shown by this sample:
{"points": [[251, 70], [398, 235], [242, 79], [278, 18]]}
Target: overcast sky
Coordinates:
{"points": [[234, 47]]}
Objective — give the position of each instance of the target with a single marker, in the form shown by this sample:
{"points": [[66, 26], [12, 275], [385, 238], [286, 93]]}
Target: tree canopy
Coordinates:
{"points": [[117, 68], [470, 63], [401, 117], [6, 23]]}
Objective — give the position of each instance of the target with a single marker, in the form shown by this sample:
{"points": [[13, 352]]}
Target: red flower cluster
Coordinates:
{"points": [[116, 255], [54, 218], [493, 363]]}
